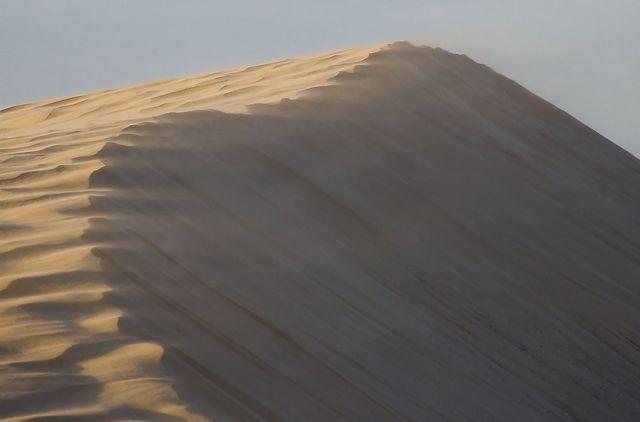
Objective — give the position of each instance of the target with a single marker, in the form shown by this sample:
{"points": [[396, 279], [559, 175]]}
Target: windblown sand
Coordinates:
{"points": [[387, 233]]}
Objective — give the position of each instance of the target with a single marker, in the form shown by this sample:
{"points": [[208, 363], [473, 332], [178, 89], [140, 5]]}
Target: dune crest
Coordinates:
{"points": [[386, 233]]}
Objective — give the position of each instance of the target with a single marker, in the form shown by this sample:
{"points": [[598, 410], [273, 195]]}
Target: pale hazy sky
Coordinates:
{"points": [[582, 55]]}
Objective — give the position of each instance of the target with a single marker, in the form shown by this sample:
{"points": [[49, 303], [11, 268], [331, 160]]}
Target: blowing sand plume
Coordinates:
{"points": [[384, 233]]}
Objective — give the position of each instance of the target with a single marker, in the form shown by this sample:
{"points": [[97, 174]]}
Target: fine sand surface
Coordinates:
{"points": [[386, 233]]}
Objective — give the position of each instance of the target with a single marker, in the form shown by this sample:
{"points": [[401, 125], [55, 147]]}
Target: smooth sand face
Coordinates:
{"points": [[409, 236]]}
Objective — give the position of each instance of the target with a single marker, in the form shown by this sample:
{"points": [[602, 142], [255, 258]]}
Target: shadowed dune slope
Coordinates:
{"points": [[416, 238]]}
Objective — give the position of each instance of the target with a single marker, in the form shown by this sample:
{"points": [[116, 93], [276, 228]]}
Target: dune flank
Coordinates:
{"points": [[384, 233]]}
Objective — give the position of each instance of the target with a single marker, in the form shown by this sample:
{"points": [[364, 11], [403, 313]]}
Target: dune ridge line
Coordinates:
{"points": [[383, 233]]}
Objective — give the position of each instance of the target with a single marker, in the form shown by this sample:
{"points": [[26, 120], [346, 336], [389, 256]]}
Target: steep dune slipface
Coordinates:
{"points": [[421, 239]]}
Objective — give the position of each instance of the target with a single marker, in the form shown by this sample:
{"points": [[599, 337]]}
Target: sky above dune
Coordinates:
{"points": [[581, 55]]}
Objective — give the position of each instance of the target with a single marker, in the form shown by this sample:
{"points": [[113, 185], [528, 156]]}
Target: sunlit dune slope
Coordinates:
{"points": [[387, 233]]}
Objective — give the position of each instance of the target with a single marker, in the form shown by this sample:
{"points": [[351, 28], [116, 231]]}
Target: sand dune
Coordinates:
{"points": [[385, 233]]}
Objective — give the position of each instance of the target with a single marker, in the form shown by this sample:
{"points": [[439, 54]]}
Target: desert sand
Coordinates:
{"points": [[383, 233]]}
